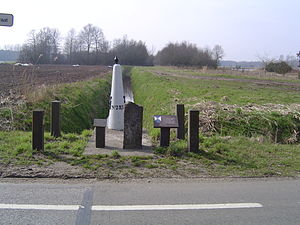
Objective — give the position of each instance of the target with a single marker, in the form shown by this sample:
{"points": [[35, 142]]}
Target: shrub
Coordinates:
{"points": [[278, 67]]}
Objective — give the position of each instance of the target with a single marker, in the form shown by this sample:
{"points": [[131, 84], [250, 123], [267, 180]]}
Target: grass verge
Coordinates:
{"points": [[219, 157], [81, 102], [16, 148]]}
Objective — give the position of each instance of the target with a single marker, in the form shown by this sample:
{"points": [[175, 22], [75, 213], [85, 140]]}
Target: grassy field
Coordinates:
{"points": [[260, 75], [249, 143], [241, 143], [160, 94]]}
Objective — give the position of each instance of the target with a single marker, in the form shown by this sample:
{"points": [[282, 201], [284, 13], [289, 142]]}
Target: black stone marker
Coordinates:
{"points": [[180, 117], [165, 122], [38, 129], [133, 126], [55, 119], [100, 125], [193, 131]]}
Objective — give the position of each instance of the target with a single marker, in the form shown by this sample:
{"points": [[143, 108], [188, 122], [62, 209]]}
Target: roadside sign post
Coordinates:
{"points": [[165, 122], [6, 20]]}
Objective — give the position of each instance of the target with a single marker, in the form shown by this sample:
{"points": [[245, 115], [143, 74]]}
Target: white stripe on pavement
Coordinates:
{"points": [[175, 207], [40, 207], [133, 207]]}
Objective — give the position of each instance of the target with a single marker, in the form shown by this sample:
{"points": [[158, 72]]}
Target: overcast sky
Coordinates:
{"points": [[245, 29]]}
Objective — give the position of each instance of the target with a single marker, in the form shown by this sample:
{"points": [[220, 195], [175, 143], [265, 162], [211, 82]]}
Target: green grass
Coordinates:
{"points": [[244, 75], [160, 94], [16, 148], [273, 126], [241, 156], [81, 102], [244, 153], [237, 156]]}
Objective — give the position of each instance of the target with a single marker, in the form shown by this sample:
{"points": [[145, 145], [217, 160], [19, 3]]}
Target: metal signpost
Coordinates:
{"points": [[6, 20]]}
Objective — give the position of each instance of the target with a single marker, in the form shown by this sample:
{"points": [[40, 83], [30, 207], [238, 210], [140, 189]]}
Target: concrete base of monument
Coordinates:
{"points": [[114, 141]]}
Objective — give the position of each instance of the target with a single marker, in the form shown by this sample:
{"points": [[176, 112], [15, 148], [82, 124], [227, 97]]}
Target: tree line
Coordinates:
{"points": [[90, 47], [186, 54]]}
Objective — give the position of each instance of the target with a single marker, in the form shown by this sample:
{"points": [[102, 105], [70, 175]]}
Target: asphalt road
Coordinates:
{"points": [[176, 202]]}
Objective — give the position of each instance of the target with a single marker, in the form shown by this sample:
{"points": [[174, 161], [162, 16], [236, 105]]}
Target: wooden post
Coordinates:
{"points": [[193, 131], [164, 137], [38, 129], [55, 121], [100, 137], [180, 116], [100, 125]]}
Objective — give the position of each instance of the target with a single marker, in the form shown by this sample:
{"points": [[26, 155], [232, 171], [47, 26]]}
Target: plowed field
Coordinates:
{"points": [[15, 78]]}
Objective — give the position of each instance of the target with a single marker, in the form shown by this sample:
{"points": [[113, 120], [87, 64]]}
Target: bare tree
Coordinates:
{"points": [[218, 53], [291, 60], [99, 41], [41, 47], [32, 42], [86, 38], [265, 59], [70, 45]]}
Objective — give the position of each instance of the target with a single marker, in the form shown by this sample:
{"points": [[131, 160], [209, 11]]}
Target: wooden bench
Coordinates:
{"points": [[100, 125]]}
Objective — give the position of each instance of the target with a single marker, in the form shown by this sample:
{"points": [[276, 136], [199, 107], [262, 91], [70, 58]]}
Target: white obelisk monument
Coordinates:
{"points": [[115, 120]]}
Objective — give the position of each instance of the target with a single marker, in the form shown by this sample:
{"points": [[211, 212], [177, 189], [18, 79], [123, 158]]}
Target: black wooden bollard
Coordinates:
{"points": [[180, 116], [100, 137], [38, 129], [55, 122], [193, 131], [164, 137], [100, 125]]}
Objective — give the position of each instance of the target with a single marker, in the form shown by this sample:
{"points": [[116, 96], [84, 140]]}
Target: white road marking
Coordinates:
{"points": [[133, 207], [175, 207], [40, 207]]}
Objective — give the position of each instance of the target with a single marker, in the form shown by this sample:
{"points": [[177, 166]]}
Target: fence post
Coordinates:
{"points": [[193, 131], [38, 129], [180, 116], [55, 119], [100, 125]]}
